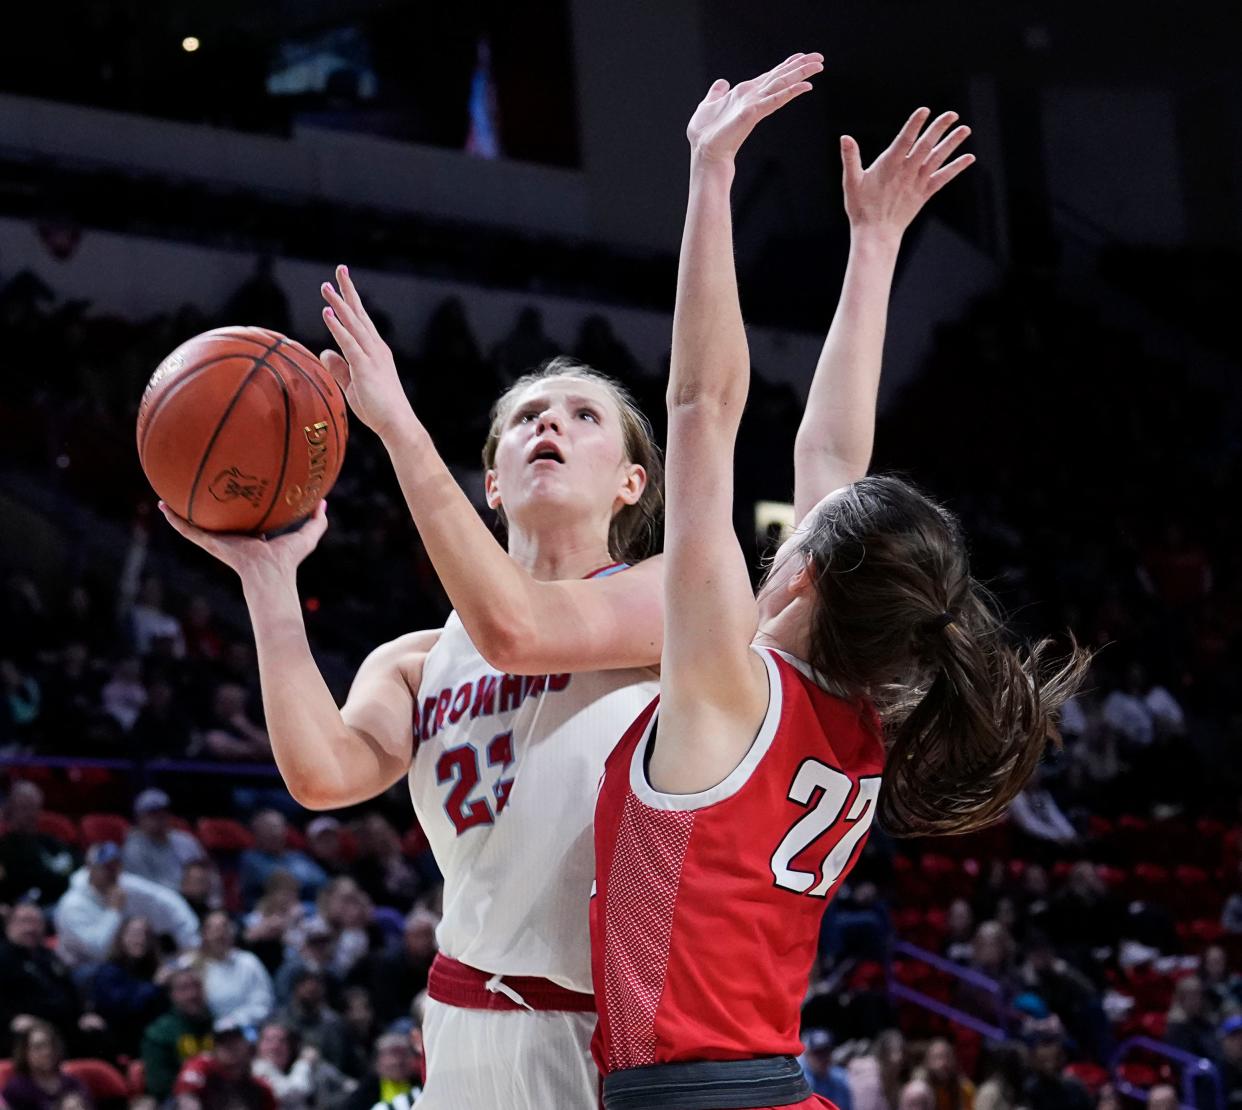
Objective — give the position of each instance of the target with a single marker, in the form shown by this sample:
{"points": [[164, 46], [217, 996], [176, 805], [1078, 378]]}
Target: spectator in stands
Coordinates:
{"points": [[203, 641], [1190, 1026], [323, 839], [1067, 993], [179, 1035], [1231, 915], [959, 931], [1109, 1099], [1037, 814], [917, 1095], [1004, 1072], [598, 346], [347, 911], [1222, 986], [1140, 712], [825, 1079], [313, 953], [276, 916], [71, 693], [271, 853], [149, 621], [99, 898], [124, 695], [200, 887], [314, 1021], [876, 1078], [125, 989], [33, 979], [1163, 1097], [32, 863], [392, 1077], [381, 869], [1047, 1087], [237, 985], [362, 1027], [1084, 917], [229, 732], [950, 1088], [991, 954], [221, 1079], [154, 849], [162, 730], [298, 1076], [857, 924], [38, 1081], [1230, 1060], [394, 977], [21, 701]]}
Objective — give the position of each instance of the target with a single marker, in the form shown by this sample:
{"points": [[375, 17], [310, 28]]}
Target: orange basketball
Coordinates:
{"points": [[242, 430]]}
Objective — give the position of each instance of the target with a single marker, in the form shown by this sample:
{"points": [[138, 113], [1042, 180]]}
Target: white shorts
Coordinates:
{"points": [[507, 1060]]}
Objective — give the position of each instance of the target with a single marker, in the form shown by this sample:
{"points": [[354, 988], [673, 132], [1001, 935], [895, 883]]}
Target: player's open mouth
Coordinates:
{"points": [[545, 451]]}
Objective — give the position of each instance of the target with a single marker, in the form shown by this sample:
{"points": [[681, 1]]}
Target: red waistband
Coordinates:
{"points": [[456, 984]]}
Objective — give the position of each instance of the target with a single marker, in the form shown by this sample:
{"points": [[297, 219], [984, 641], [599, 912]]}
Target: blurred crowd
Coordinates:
{"points": [[1090, 477]]}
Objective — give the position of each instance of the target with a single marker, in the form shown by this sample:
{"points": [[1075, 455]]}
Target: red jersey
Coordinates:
{"points": [[706, 916]]}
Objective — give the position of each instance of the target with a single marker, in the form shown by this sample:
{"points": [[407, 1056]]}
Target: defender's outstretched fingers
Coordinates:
{"points": [[934, 133], [941, 151], [905, 138], [942, 177], [851, 160], [770, 103]]}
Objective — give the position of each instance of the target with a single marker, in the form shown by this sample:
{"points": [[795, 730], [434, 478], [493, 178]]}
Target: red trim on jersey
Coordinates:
{"points": [[600, 570], [456, 984]]}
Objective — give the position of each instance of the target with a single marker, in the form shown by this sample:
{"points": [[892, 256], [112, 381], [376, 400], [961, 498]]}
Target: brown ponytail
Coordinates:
{"points": [[900, 621]]}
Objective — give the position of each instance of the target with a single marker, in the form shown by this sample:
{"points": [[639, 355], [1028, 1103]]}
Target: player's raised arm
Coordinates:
{"points": [[833, 446], [707, 668], [328, 757], [519, 623]]}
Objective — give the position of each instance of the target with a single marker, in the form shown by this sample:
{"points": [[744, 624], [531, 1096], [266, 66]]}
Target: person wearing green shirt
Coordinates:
{"points": [[185, 1031]]}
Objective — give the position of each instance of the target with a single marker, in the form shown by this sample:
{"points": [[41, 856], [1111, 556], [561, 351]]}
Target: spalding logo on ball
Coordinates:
{"points": [[242, 430]]}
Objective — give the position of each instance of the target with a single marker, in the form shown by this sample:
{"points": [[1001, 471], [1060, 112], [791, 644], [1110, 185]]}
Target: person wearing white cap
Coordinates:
{"points": [[100, 898], [154, 849]]}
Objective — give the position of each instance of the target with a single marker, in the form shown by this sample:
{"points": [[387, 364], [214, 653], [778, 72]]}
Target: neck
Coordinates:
{"points": [[787, 631], [560, 551]]}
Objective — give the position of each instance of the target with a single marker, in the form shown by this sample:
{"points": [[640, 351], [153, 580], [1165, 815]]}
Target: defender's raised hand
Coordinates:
{"points": [[727, 115], [367, 373], [888, 194]]}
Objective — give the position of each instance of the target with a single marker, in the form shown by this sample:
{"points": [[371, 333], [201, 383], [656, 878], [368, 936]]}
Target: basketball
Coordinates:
{"points": [[241, 429]]}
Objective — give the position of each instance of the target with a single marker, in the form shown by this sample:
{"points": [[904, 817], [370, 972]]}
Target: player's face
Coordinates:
{"points": [[562, 450]]}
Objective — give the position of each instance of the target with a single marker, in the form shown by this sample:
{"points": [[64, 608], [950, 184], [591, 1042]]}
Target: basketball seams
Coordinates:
{"points": [[215, 435], [284, 454], [175, 387], [336, 435]]}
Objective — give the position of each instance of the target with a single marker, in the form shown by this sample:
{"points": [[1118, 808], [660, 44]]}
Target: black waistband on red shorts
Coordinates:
{"points": [[456, 984], [707, 1085]]}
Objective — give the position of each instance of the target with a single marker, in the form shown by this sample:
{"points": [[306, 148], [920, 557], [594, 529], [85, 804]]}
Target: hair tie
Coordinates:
{"points": [[943, 621]]}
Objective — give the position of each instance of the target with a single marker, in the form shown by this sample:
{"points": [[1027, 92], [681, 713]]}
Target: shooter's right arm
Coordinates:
{"points": [[328, 757]]}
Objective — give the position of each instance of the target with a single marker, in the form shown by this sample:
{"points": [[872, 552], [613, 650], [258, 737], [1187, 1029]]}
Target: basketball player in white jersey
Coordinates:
{"points": [[502, 720]]}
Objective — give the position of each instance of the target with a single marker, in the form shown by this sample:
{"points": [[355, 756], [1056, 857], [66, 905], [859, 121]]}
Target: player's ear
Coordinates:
{"points": [[491, 488], [802, 581], [635, 482]]}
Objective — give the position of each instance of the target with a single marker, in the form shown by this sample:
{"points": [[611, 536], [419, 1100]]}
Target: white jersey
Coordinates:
{"points": [[503, 781]]}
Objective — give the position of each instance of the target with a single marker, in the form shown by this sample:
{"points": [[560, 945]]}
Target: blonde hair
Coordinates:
{"points": [[635, 532]]}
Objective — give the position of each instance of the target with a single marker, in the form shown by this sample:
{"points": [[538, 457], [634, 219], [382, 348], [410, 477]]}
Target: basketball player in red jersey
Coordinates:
{"points": [[869, 678]]}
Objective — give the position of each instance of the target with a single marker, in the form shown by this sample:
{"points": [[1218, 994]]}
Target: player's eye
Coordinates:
{"points": [[588, 414]]}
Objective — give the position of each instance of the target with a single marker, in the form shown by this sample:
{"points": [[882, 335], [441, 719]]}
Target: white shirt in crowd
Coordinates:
{"points": [[238, 988], [86, 925]]}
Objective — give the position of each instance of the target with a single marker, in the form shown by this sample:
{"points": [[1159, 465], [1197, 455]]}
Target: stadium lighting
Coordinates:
{"points": [[189, 44]]}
